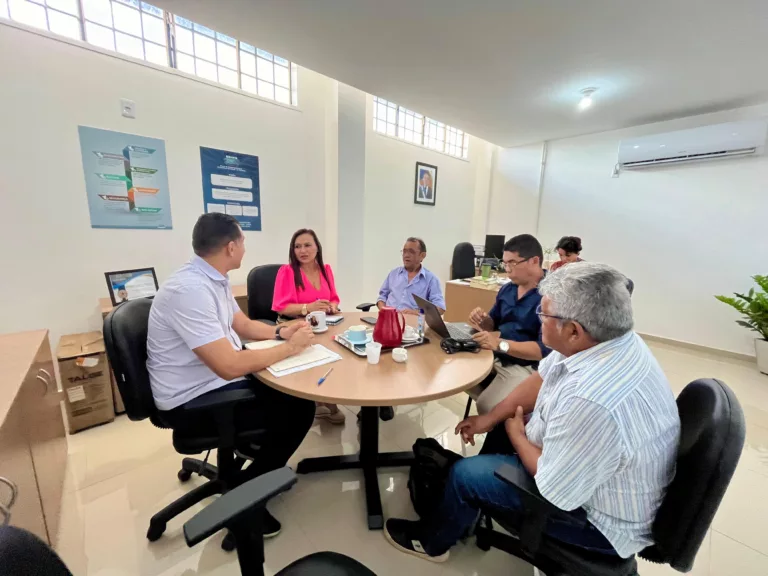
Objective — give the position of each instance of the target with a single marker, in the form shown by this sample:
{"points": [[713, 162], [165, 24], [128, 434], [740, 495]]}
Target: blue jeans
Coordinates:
{"points": [[472, 485]]}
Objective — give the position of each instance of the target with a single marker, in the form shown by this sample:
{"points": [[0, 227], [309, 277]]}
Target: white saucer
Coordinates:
{"points": [[320, 331], [410, 340]]}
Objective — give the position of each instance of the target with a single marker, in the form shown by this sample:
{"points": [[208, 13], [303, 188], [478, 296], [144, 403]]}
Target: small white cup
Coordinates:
{"points": [[399, 354], [409, 333], [373, 351]]}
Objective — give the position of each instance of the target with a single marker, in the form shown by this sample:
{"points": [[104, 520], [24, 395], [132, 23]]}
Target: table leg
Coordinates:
{"points": [[368, 459]]}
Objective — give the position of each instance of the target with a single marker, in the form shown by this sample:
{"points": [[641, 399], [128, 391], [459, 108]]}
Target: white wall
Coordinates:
{"points": [[52, 261], [391, 215], [351, 196], [514, 202], [683, 233]]}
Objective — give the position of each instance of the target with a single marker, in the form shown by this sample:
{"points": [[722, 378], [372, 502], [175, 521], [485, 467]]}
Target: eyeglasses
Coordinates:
{"points": [[410, 252], [512, 263], [541, 315]]}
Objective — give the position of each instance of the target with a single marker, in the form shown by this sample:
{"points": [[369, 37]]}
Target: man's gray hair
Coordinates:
{"points": [[594, 295], [419, 241]]}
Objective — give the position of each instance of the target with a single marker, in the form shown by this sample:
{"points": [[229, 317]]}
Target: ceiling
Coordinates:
{"points": [[510, 71]]}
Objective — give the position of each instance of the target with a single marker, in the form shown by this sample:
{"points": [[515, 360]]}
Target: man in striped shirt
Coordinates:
{"points": [[602, 438]]}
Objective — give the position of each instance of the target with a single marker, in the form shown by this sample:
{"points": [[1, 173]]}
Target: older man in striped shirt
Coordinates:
{"points": [[602, 438]]}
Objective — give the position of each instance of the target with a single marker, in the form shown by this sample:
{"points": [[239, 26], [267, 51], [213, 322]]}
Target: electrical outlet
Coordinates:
{"points": [[128, 108]]}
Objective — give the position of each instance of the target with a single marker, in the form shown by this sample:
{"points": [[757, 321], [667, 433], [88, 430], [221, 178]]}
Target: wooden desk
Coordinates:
{"points": [[428, 374], [33, 444], [461, 299], [239, 291]]}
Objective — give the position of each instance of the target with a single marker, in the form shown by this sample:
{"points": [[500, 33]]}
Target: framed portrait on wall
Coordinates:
{"points": [[131, 284], [425, 188]]}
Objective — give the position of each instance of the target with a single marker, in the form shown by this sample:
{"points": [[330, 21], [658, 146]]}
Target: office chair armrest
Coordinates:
{"points": [[538, 510], [215, 400], [365, 306], [236, 504]]}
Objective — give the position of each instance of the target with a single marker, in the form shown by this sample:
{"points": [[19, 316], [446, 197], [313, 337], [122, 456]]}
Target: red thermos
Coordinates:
{"points": [[389, 328]]}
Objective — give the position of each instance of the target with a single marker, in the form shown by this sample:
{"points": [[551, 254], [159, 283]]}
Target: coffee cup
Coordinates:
{"points": [[400, 354], [317, 321], [409, 333], [357, 334]]}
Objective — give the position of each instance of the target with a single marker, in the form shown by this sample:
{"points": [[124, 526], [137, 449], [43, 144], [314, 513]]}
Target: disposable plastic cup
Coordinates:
{"points": [[373, 351]]}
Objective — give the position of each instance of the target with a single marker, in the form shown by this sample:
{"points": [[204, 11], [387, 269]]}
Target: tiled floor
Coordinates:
{"points": [[121, 473]]}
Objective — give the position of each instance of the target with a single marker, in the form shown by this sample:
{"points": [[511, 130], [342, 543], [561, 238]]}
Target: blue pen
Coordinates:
{"points": [[324, 377]]}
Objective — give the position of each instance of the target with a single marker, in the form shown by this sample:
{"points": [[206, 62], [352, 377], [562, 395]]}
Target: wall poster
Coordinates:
{"points": [[231, 185], [126, 179]]}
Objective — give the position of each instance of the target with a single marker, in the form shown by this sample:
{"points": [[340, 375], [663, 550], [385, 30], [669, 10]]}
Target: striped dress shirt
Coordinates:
{"points": [[608, 426]]}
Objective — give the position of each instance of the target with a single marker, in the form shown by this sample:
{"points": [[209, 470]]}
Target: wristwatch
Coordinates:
{"points": [[304, 310], [504, 346], [277, 332]]}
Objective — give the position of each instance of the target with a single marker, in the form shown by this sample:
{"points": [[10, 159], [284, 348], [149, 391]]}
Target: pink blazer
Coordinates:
{"points": [[286, 292]]}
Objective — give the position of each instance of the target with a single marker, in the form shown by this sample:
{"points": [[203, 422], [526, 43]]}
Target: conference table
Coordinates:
{"points": [[428, 374]]}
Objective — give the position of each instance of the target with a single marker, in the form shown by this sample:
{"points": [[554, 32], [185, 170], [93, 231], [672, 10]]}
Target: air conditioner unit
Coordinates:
{"points": [[704, 143]]}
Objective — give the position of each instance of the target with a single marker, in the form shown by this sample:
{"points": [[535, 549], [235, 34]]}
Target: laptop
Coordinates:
{"points": [[460, 331]]}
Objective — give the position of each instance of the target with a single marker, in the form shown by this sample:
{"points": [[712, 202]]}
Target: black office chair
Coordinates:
{"points": [[463, 263], [125, 338], [711, 440], [261, 290], [240, 510]]}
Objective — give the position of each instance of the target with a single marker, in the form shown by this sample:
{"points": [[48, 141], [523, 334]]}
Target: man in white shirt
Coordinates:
{"points": [[601, 443], [194, 347]]}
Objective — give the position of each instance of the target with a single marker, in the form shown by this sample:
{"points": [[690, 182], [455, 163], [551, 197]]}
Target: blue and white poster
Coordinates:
{"points": [[126, 179], [231, 185]]}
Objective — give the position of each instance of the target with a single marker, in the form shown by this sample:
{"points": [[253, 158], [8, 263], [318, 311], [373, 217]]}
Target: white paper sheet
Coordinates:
{"points": [[315, 355]]}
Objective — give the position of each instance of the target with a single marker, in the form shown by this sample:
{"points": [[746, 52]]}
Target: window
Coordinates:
{"points": [[394, 120], [143, 31], [129, 27], [267, 75], [58, 16]]}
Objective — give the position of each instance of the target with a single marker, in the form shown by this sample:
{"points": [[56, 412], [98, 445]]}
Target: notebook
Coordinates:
{"points": [[315, 355]]}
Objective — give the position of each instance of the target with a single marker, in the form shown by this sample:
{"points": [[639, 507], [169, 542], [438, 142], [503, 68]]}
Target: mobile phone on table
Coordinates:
{"points": [[369, 320]]}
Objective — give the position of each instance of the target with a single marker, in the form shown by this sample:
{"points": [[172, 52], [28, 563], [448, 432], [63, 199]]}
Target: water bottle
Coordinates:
{"points": [[420, 329]]}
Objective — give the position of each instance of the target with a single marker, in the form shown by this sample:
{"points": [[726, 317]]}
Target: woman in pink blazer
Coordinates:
{"points": [[306, 285]]}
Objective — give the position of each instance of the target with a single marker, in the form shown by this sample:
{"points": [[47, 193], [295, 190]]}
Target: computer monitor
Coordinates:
{"points": [[494, 246]]}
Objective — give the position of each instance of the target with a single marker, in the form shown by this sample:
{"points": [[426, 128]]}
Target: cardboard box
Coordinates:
{"points": [[85, 379], [118, 400]]}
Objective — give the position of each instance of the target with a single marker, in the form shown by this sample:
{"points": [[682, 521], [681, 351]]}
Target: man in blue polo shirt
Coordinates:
{"points": [[512, 328], [411, 279], [405, 281]]}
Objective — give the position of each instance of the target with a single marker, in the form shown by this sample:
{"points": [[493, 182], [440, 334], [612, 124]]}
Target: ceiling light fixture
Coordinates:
{"points": [[586, 98]]}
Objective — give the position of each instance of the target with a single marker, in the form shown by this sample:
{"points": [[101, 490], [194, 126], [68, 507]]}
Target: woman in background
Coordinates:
{"points": [[306, 285], [569, 248]]}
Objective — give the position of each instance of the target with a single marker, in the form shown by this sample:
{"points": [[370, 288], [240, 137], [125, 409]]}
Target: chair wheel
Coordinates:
{"points": [[155, 531], [483, 545], [184, 475], [228, 544]]}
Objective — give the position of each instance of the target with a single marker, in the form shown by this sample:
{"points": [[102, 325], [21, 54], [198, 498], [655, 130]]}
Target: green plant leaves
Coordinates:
{"points": [[753, 306]]}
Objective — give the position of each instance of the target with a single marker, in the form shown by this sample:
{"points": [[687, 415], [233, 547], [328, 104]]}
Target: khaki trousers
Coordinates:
{"points": [[507, 379]]}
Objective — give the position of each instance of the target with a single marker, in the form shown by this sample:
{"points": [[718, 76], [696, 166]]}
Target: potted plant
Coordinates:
{"points": [[550, 256], [754, 307]]}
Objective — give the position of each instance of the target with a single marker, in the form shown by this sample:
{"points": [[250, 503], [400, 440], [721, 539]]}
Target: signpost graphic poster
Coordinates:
{"points": [[126, 179], [231, 185]]}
